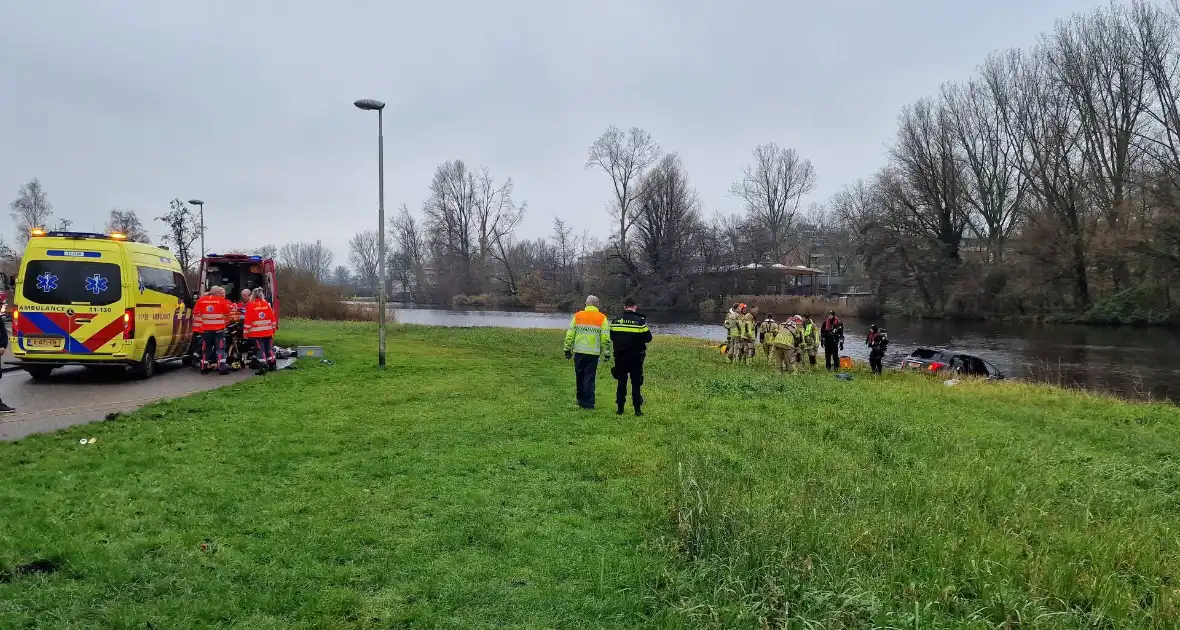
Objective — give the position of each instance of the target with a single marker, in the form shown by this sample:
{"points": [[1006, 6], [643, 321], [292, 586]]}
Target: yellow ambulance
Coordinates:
{"points": [[99, 300]]}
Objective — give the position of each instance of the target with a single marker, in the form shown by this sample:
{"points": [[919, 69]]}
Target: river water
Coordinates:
{"points": [[1132, 362]]}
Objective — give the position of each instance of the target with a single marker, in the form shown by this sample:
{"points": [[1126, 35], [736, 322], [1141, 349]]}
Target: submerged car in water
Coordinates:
{"points": [[944, 361]]}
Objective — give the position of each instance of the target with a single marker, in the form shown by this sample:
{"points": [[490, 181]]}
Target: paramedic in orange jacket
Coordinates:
{"points": [[260, 325], [212, 313]]}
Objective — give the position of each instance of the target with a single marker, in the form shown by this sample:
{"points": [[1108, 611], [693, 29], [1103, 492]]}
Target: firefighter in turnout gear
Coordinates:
{"points": [[629, 335], [747, 325], [810, 340], [784, 346], [731, 330], [766, 336]]}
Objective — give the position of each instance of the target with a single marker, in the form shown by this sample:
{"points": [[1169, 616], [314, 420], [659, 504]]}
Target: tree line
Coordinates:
{"points": [[461, 246], [1047, 183]]}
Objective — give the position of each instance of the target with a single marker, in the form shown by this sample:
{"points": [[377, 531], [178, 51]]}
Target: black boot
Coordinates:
{"points": [[620, 410], [638, 411]]}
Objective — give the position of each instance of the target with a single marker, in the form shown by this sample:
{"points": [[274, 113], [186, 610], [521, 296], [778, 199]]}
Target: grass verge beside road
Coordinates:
{"points": [[462, 488]]}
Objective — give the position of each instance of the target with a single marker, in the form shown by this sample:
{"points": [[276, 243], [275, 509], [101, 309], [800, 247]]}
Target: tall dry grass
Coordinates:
{"points": [[301, 295]]}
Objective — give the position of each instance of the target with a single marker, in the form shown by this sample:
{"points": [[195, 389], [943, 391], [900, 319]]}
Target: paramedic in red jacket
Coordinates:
{"points": [[260, 325], [212, 313]]}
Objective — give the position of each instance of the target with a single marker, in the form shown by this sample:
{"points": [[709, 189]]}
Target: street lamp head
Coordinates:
{"points": [[370, 104], [196, 202]]}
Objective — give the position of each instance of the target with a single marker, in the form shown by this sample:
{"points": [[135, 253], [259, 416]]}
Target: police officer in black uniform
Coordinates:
{"points": [[629, 335]]}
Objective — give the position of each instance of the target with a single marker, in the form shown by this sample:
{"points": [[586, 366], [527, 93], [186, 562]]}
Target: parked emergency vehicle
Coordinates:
{"points": [[98, 300]]}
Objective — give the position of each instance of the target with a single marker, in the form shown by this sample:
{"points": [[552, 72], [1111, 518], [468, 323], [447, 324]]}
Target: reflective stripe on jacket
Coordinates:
{"points": [[784, 336], [746, 326], [212, 313], [589, 333], [260, 320], [629, 334]]}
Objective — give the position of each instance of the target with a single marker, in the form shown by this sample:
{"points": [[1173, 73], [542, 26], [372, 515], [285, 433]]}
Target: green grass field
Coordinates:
{"points": [[463, 488]]}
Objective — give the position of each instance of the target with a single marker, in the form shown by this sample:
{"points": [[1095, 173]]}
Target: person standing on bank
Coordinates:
{"points": [[629, 335], [587, 339]]}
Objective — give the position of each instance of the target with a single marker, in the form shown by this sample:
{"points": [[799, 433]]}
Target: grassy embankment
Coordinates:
{"points": [[461, 488]]}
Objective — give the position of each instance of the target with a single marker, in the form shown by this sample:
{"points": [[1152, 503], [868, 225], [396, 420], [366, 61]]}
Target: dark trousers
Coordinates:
{"points": [[628, 367], [266, 350], [875, 357], [832, 356], [212, 348], [585, 370]]}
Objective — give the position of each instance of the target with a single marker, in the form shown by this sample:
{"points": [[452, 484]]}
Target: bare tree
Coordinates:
{"points": [[265, 251], [1159, 56], [407, 262], [126, 222], [30, 209], [927, 189], [624, 157], [772, 188], [450, 221], [1044, 121], [667, 219], [505, 251], [1095, 59], [183, 229], [993, 187], [566, 247], [497, 217], [311, 258], [341, 277], [495, 212], [364, 258], [833, 238]]}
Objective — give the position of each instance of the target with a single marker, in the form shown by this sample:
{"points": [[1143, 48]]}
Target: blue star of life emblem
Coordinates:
{"points": [[96, 284], [47, 282]]}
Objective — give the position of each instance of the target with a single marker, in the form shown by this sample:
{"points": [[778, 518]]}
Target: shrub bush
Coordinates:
{"points": [[301, 295]]}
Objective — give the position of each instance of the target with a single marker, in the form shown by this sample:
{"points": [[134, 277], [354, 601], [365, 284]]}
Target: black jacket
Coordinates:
{"points": [[831, 331], [629, 334]]}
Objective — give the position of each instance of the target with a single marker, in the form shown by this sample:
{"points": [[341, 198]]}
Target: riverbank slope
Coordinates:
{"points": [[462, 488]]}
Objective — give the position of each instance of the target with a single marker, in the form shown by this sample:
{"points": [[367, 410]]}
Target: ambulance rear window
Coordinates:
{"points": [[72, 282]]}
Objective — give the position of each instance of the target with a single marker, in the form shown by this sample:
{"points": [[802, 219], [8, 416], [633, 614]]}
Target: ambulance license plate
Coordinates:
{"points": [[44, 343]]}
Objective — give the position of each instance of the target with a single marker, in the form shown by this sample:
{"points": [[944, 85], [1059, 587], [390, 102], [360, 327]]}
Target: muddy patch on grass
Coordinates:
{"points": [[43, 566]]}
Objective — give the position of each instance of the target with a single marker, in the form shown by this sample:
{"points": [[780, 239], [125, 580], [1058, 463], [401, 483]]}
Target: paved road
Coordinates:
{"points": [[75, 395]]}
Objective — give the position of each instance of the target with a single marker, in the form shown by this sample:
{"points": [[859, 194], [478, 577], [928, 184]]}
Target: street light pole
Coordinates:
{"points": [[201, 204], [370, 105]]}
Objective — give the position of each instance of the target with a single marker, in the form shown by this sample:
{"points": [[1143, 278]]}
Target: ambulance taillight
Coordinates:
{"points": [[129, 324]]}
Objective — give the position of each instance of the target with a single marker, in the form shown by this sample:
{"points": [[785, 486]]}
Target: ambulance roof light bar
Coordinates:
{"points": [[73, 234]]}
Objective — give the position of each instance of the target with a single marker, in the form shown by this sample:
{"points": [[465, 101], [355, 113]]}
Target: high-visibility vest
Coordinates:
{"points": [[260, 320], [589, 333], [746, 326], [810, 336]]}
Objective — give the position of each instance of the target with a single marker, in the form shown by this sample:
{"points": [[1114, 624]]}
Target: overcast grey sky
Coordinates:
{"points": [[248, 104]]}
